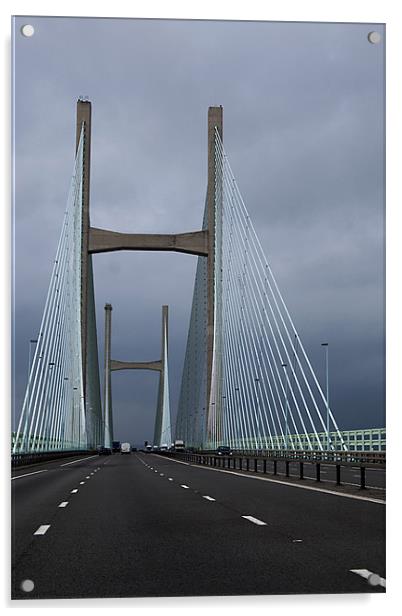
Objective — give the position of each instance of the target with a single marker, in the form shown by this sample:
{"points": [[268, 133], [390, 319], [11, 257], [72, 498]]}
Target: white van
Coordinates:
{"points": [[125, 448]]}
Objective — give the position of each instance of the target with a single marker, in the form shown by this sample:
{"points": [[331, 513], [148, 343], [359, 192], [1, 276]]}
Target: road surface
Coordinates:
{"points": [[143, 525]]}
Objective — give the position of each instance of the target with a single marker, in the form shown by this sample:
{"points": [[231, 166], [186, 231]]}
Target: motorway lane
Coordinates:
{"points": [[133, 530], [37, 490]]}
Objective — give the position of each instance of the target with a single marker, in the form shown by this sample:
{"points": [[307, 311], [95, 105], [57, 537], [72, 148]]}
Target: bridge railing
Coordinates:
{"points": [[257, 462], [24, 459], [356, 457]]}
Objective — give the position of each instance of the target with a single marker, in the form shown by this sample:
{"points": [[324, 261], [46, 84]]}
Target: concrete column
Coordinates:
{"points": [[107, 398], [84, 120], [215, 121], [160, 418]]}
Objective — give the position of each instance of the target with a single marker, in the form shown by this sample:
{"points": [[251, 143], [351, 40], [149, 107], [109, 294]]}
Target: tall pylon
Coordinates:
{"points": [[162, 430], [89, 344]]}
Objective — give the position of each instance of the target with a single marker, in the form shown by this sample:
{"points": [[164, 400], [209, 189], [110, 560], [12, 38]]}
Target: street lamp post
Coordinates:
{"points": [[257, 382], [325, 344], [223, 414], [284, 366], [31, 342], [237, 405]]}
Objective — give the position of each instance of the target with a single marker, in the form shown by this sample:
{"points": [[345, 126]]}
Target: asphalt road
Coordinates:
{"points": [[142, 525]]}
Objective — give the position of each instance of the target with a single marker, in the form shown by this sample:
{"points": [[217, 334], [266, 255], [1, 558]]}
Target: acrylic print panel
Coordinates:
{"points": [[198, 308]]}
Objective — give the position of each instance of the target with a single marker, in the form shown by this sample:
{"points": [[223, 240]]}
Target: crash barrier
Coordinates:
{"points": [[257, 462], [23, 459]]}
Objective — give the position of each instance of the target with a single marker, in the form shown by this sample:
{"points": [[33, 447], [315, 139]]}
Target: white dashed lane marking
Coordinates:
{"points": [[42, 529], [74, 491], [184, 486], [209, 498], [63, 504], [82, 482], [372, 578], [250, 518]]}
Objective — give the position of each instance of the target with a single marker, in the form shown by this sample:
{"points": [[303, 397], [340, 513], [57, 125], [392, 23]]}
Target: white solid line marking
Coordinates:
{"points": [[74, 491], [373, 578], [63, 504], [80, 460], [184, 486], [179, 462], [42, 529], [27, 474], [291, 485], [250, 518], [209, 498]]}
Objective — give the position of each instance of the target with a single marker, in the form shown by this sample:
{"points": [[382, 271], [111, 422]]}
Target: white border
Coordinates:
{"points": [[382, 11]]}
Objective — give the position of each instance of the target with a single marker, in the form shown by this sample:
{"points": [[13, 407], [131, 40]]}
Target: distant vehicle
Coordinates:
{"points": [[133, 448], [155, 448], [116, 446], [104, 451], [125, 448], [164, 447], [179, 445], [223, 450], [148, 448]]}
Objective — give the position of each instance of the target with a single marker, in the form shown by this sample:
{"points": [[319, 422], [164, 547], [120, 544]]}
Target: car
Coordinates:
{"points": [[104, 451], [224, 450]]}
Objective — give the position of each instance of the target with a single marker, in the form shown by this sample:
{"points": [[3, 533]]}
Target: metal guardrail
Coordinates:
{"points": [[243, 460], [354, 457], [23, 459]]}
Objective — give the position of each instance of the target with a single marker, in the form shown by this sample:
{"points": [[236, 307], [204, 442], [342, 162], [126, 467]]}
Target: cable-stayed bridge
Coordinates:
{"points": [[247, 380], [159, 525]]}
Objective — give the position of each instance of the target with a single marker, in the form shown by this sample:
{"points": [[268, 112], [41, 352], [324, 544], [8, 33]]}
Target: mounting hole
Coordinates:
{"points": [[27, 30], [27, 585], [374, 37]]}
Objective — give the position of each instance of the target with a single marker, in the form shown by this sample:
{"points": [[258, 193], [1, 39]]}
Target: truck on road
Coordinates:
{"points": [[179, 445], [116, 446], [125, 448]]}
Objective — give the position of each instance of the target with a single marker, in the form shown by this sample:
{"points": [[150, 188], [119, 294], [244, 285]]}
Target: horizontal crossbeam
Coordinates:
{"points": [[194, 243], [144, 365]]}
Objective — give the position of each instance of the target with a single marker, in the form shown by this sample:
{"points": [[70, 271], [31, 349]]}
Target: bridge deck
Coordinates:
{"points": [[142, 525]]}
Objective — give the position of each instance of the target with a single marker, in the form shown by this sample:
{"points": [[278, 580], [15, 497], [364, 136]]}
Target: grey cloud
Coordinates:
{"points": [[303, 129]]}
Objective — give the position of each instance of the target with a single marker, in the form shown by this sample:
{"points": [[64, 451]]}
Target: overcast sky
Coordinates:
{"points": [[304, 133]]}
